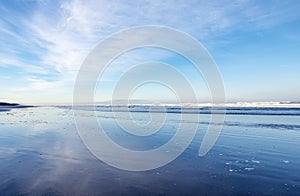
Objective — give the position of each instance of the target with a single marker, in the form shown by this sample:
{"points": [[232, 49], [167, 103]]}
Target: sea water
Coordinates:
{"points": [[256, 153]]}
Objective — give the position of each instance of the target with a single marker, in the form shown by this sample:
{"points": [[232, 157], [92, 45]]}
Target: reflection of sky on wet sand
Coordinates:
{"points": [[41, 153]]}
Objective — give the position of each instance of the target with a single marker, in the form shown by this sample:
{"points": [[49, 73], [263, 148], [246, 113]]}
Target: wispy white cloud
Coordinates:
{"points": [[55, 37], [78, 26]]}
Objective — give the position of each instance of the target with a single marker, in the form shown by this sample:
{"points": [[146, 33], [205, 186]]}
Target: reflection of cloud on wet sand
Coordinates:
{"points": [[45, 155]]}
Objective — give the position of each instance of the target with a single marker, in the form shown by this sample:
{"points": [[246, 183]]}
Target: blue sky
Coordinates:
{"points": [[256, 45]]}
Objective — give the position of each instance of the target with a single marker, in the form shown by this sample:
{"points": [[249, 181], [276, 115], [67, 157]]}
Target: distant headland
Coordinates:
{"points": [[4, 106], [9, 104]]}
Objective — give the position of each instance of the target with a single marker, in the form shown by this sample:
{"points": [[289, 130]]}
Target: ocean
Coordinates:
{"points": [[257, 153]]}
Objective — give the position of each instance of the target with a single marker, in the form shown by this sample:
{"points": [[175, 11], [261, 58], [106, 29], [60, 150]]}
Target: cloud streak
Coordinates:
{"points": [[51, 38]]}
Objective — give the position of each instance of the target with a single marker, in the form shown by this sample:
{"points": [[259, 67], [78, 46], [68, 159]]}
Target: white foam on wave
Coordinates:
{"points": [[271, 104]]}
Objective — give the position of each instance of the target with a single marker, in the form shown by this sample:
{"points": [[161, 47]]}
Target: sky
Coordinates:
{"points": [[255, 44]]}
